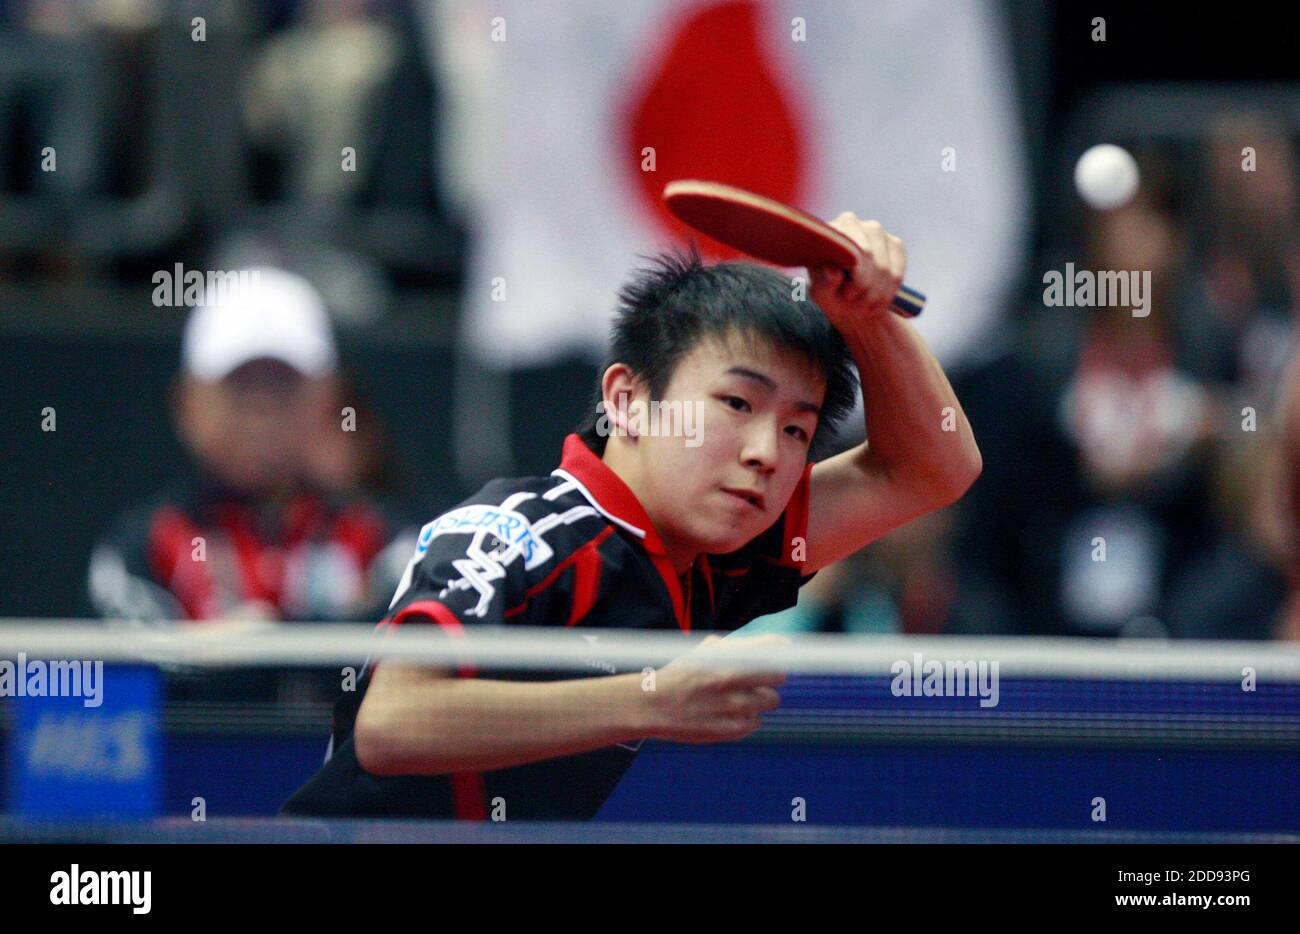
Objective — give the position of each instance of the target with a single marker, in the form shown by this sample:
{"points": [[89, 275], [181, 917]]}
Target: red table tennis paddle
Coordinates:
{"points": [[769, 230]]}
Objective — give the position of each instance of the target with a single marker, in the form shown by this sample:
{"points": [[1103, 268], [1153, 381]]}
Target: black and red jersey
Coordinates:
{"points": [[575, 549]]}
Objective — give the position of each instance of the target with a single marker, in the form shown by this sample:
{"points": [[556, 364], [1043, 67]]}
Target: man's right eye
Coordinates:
{"points": [[735, 402]]}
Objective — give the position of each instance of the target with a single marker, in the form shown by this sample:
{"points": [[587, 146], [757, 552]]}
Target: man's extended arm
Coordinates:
{"points": [[415, 721]]}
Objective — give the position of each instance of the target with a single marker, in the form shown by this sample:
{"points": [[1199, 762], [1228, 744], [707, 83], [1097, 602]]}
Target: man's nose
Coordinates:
{"points": [[761, 446]]}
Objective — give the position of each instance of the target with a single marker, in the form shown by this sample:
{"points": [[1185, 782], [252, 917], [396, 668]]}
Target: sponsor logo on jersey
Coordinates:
{"points": [[507, 526]]}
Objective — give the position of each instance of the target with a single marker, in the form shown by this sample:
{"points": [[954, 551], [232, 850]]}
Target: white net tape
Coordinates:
{"points": [[307, 645]]}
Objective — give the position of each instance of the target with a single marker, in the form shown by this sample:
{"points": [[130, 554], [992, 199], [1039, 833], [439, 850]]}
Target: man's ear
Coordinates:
{"points": [[619, 388]]}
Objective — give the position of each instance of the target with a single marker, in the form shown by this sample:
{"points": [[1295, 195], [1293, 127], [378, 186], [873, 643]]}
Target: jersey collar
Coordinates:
{"points": [[606, 491], [614, 499]]}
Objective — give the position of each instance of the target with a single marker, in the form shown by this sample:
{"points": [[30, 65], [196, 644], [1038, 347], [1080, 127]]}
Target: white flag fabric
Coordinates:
{"points": [[900, 110]]}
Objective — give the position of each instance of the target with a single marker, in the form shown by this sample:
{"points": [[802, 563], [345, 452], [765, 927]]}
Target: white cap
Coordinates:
{"points": [[277, 315]]}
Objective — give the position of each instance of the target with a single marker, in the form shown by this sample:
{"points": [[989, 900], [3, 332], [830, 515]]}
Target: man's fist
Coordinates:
{"points": [[873, 282], [698, 699]]}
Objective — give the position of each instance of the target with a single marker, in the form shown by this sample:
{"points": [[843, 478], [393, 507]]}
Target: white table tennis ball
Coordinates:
{"points": [[1106, 177]]}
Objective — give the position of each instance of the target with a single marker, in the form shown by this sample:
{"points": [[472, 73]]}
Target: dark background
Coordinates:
{"points": [[97, 352]]}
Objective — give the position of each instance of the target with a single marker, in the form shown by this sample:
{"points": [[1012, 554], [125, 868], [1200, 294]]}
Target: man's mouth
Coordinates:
{"points": [[749, 496]]}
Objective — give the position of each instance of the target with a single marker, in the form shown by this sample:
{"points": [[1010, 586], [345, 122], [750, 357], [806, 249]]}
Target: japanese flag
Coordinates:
{"points": [[564, 120]]}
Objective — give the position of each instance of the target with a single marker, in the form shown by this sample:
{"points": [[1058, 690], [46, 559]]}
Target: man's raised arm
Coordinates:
{"points": [[920, 454]]}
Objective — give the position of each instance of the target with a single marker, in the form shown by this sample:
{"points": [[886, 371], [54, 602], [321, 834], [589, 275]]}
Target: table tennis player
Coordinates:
{"points": [[648, 529]]}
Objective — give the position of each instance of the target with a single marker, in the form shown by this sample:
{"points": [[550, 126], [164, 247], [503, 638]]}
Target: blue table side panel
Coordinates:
{"points": [[1143, 789]]}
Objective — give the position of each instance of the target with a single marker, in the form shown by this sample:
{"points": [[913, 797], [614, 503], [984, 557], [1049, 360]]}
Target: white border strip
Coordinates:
{"points": [[305, 644]]}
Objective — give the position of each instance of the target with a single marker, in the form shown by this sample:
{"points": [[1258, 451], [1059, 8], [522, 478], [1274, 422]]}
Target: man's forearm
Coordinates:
{"points": [[415, 723], [916, 428]]}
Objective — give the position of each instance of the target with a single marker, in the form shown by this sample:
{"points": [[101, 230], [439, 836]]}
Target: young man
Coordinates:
{"points": [[692, 522]]}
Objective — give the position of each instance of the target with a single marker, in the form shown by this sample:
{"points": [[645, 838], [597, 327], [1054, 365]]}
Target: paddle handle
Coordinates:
{"points": [[908, 302]]}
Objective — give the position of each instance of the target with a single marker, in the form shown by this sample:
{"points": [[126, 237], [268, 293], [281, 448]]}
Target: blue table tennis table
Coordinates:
{"points": [[1154, 757]]}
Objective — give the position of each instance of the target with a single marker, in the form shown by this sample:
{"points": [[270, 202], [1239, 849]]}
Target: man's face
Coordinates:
{"points": [[251, 428], [756, 409]]}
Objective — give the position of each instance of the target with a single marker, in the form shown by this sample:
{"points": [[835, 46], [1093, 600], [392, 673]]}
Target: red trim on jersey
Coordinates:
{"points": [[441, 614], [468, 790], [586, 577], [666, 571], [708, 579], [468, 796], [796, 521], [585, 553], [617, 499], [690, 595], [614, 496]]}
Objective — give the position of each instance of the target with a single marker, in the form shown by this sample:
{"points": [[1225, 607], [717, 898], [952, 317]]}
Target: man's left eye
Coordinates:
{"points": [[796, 432]]}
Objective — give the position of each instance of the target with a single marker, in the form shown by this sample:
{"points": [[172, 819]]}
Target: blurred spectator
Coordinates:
{"points": [[62, 18], [360, 460], [903, 583], [312, 90], [255, 537], [1288, 497], [1251, 170], [75, 107], [1249, 250], [1235, 583], [1100, 493], [1129, 496], [1138, 412]]}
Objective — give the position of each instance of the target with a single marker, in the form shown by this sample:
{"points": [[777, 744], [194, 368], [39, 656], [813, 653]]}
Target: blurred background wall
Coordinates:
{"points": [[477, 158]]}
